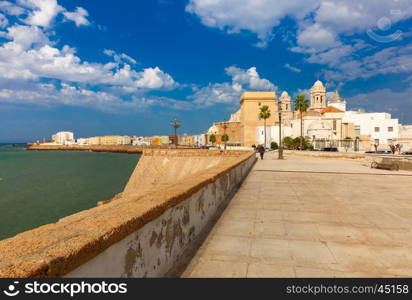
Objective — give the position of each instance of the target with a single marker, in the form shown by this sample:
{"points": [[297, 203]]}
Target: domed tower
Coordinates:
{"points": [[317, 96], [286, 101], [338, 102]]}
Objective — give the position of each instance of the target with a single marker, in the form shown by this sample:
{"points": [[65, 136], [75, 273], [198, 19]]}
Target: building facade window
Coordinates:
{"points": [[376, 141], [357, 130], [390, 142], [390, 129], [334, 125], [377, 129]]}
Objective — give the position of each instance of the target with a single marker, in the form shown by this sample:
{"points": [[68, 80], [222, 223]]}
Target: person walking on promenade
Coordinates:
{"points": [[261, 151]]}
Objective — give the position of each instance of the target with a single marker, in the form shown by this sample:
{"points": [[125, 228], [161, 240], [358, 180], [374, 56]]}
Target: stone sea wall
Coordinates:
{"points": [[94, 148], [151, 229]]}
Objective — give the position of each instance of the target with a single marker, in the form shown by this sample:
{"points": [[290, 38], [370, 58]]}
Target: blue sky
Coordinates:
{"points": [[96, 68]]}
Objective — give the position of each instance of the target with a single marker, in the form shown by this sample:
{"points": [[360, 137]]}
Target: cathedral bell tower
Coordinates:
{"points": [[286, 101], [317, 96]]}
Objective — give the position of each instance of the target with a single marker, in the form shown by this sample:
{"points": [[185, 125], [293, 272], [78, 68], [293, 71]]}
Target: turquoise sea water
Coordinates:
{"points": [[40, 187]]}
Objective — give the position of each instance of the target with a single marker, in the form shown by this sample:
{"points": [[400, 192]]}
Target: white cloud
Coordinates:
{"points": [[352, 16], [249, 78], [24, 38], [316, 37], [292, 68], [31, 55], [33, 70], [329, 17], [380, 100], [118, 58], [344, 66], [49, 95], [79, 16], [11, 9], [257, 16], [229, 93], [154, 78], [323, 28], [42, 11], [30, 58]]}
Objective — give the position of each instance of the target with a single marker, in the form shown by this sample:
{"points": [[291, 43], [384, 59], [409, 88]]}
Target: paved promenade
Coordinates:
{"points": [[311, 217]]}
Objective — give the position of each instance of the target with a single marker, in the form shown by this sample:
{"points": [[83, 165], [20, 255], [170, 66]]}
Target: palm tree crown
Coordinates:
{"points": [[301, 104], [264, 114]]}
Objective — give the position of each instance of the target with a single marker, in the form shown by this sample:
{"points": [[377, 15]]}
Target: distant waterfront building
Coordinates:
{"points": [[63, 137], [200, 140], [174, 140], [82, 141], [110, 140], [140, 141]]}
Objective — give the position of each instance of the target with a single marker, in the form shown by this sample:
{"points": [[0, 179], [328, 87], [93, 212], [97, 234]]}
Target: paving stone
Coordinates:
{"points": [[310, 224]]}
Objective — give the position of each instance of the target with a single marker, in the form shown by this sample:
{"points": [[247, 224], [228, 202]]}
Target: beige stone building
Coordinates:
{"points": [[250, 104], [232, 130], [110, 140]]}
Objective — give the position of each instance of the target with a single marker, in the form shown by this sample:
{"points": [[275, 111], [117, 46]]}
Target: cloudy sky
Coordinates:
{"points": [[129, 67]]}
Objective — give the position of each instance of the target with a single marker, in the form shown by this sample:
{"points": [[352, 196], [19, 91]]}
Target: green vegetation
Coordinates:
{"points": [[225, 139], [301, 105], [297, 143], [274, 146], [212, 139], [264, 114]]}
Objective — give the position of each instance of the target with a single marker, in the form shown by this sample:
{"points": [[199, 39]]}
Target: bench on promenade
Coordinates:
{"points": [[385, 166]]}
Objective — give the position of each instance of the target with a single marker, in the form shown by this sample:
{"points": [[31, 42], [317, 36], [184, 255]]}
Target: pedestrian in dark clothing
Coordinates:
{"points": [[261, 151]]}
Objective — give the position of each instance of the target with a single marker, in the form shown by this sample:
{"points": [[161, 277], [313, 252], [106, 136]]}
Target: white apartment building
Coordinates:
{"points": [[63, 137], [200, 140], [140, 141], [272, 134], [82, 141], [382, 129]]}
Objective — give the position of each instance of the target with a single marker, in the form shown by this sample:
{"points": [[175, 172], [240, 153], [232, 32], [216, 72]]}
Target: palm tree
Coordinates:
{"points": [[225, 139], [264, 114], [301, 105], [212, 139]]}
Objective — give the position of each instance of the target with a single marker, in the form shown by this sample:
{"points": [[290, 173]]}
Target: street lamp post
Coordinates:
{"points": [[175, 124], [280, 150], [225, 126]]}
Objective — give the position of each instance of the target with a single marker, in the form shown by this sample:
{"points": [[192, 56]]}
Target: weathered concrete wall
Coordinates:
{"points": [[146, 234], [403, 161], [163, 246], [158, 168], [324, 154]]}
